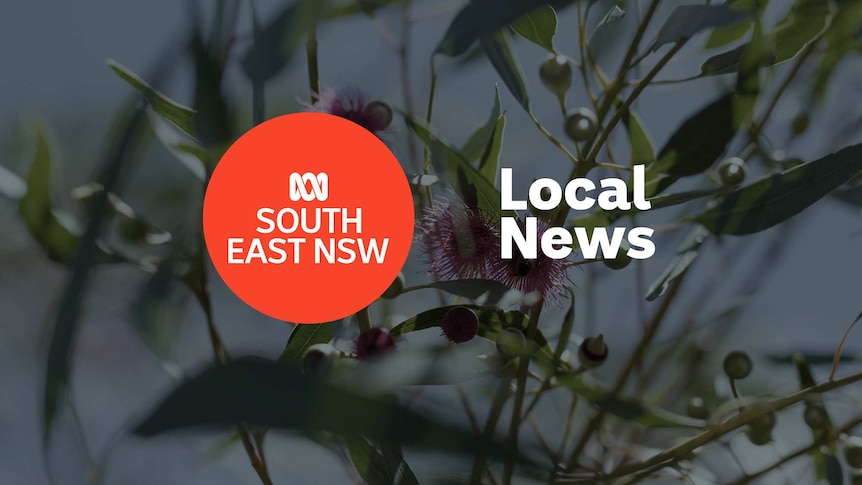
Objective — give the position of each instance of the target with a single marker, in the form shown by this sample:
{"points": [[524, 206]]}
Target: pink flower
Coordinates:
{"points": [[459, 242], [373, 343], [544, 275], [460, 324], [351, 104]]}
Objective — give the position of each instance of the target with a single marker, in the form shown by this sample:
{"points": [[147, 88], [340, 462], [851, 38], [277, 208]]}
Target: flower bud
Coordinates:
{"points": [[732, 171], [372, 343], [395, 288], [593, 352], [621, 260], [460, 324], [556, 74], [581, 124], [764, 422], [381, 112], [800, 124], [758, 436], [511, 342], [131, 228], [853, 451], [815, 416], [319, 359], [737, 365], [697, 408]]}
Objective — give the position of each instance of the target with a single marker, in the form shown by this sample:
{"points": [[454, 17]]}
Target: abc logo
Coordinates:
{"points": [[309, 186]]}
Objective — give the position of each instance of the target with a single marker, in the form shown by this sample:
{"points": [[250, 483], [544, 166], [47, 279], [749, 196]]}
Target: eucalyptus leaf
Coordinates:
{"points": [[687, 20], [301, 338], [175, 143], [481, 18], [478, 142], [181, 116], [626, 408], [488, 195], [613, 15], [264, 393], [489, 165], [685, 256], [383, 465], [695, 146], [482, 292], [805, 20], [538, 26], [498, 48], [776, 198]]}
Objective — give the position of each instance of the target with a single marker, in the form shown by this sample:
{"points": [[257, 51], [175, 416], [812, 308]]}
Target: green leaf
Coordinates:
{"points": [[725, 35], [685, 256], [213, 123], [614, 14], [753, 57], [641, 146], [695, 146], [382, 465], [264, 393], [776, 198], [188, 152], [538, 26], [490, 320], [498, 48], [181, 116], [488, 195], [301, 338], [56, 231], [803, 22], [477, 144], [687, 20], [482, 292], [277, 40], [834, 471], [488, 167], [481, 18], [626, 408]]}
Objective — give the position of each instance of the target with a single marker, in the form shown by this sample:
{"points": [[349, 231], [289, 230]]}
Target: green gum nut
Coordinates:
{"points": [[556, 74], [593, 352], [737, 365], [732, 171], [511, 342], [581, 124]]}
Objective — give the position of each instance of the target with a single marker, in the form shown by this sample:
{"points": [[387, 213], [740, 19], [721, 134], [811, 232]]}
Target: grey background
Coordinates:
{"points": [[52, 66]]}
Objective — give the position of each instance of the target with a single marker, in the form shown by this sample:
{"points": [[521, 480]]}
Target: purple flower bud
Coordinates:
{"points": [[373, 343], [460, 324], [352, 104]]}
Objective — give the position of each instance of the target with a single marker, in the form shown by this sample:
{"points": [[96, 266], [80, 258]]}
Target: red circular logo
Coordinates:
{"points": [[308, 217]]}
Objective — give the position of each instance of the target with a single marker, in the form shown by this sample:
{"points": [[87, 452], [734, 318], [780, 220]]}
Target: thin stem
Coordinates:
{"points": [[845, 428], [630, 365], [515, 424], [364, 319], [258, 95], [500, 397], [719, 430], [311, 56], [837, 357]]}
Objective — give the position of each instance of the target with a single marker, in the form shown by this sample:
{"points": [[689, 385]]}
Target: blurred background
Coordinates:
{"points": [[53, 57]]}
